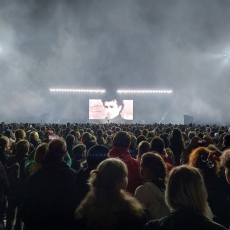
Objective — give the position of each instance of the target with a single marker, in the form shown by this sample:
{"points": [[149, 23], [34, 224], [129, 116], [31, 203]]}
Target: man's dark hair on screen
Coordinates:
{"points": [[119, 101]]}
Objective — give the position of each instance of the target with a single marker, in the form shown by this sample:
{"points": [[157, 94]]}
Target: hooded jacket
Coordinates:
{"points": [[132, 164]]}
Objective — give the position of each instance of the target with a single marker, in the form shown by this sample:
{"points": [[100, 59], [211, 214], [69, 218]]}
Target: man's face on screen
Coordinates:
{"points": [[112, 109]]}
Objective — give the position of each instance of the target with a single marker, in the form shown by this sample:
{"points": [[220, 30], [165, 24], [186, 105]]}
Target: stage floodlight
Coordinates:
{"points": [[78, 90], [147, 91]]}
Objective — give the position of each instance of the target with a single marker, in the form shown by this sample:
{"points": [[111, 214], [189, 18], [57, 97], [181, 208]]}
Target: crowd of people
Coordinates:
{"points": [[114, 176]]}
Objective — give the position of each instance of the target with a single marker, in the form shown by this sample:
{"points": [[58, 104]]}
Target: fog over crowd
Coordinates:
{"points": [[181, 45]]}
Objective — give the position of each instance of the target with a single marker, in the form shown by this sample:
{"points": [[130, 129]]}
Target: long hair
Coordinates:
{"points": [[20, 134], [155, 163], [105, 204], [40, 152], [186, 189], [195, 160], [177, 137]]}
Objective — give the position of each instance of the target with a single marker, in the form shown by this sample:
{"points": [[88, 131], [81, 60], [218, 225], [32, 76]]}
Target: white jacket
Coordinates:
{"points": [[153, 200]]}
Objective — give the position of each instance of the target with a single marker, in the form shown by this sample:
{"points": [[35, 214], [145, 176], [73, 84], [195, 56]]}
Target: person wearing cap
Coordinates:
{"points": [[51, 193]]}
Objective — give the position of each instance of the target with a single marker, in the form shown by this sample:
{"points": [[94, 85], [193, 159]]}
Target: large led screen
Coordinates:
{"points": [[113, 110]]}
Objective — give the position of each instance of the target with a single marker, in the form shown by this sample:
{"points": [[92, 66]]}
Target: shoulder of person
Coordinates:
{"points": [[10, 161], [152, 225], [214, 226]]}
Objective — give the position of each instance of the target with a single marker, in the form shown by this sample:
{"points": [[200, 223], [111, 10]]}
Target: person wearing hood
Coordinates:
{"points": [[157, 145], [121, 143], [152, 194]]}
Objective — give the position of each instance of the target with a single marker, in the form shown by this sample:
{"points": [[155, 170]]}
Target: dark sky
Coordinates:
{"points": [[109, 44]]}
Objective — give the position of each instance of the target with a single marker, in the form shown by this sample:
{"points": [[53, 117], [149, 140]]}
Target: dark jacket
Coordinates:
{"points": [[18, 158], [50, 198], [4, 155], [123, 224], [90, 144], [183, 219]]}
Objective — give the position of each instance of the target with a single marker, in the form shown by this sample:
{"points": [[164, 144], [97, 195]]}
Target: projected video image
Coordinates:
{"points": [[111, 109]]}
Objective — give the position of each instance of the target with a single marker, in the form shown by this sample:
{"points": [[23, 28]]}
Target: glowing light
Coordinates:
{"points": [[144, 91], [79, 90]]}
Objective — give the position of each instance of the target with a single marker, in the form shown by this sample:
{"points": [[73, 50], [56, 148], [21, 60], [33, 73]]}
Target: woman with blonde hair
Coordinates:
{"points": [[40, 153], [215, 183], [34, 161], [186, 196], [107, 206]]}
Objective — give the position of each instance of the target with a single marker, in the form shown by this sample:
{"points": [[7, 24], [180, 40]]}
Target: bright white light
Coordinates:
{"points": [[143, 91], [79, 90]]}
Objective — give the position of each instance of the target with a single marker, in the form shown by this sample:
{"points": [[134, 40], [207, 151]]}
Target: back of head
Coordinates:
{"points": [[137, 132], [4, 142], [78, 151], [225, 159], [20, 134], [199, 159], [22, 147], [34, 136], [143, 147], [57, 150], [186, 189], [157, 145], [86, 137], [96, 155], [225, 162], [73, 132], [122, 139], [140, 139], [176, 134], [107, 174], [191, 134], [8, 133], [40, 152], [155, 164], [99, 132], [70, 139]]}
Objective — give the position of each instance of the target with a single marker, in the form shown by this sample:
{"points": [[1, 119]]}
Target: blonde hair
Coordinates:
{"points": [[34, 136], [107, 174], [40, 152], [105, 203], [225, 159], [186, 189]]}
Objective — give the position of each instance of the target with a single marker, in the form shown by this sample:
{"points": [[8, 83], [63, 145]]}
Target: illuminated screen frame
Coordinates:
{"points": [[98, 110]]}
